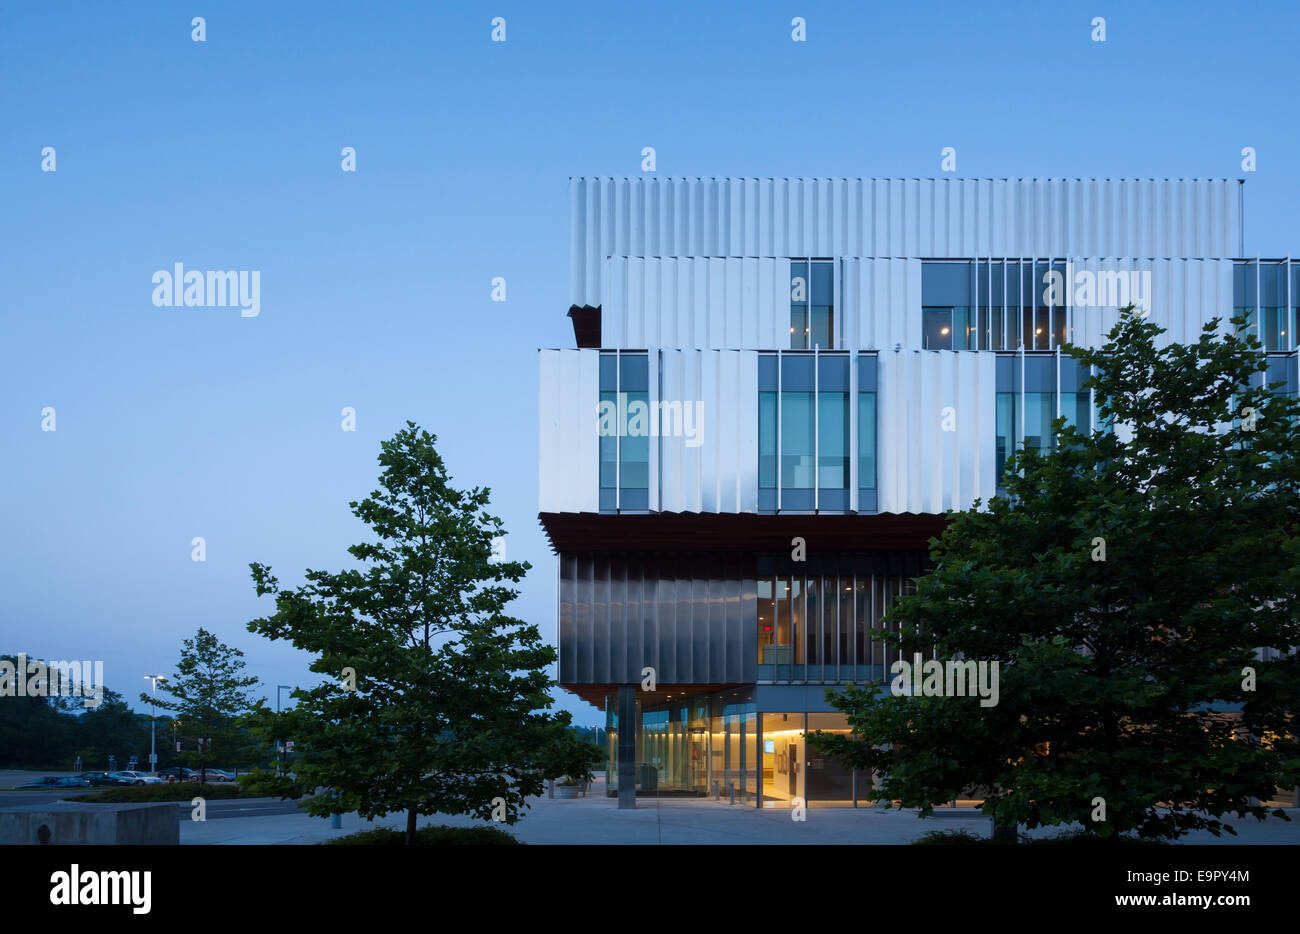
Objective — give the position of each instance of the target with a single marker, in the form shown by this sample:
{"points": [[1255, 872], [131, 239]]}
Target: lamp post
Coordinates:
{"points": [[278, 689], [153, 724]]}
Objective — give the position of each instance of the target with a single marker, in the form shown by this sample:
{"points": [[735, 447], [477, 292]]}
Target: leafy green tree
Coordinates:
{"points": [[435, 699], [210, 695], [1124, 586], [35, 732], [112, 728]]}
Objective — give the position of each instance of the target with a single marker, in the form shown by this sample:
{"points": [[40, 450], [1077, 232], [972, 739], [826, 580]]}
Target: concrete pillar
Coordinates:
{"points": [[628, 724]]}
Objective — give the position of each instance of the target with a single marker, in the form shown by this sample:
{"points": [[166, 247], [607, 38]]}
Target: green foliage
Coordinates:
{"points": [[38, 733], [440, 835], [948, 838], [1117, 674], [449, 712], [209, 695], [176, 791]]}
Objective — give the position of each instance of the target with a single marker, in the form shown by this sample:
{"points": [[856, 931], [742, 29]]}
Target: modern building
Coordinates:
{"points": [[764, 365]]}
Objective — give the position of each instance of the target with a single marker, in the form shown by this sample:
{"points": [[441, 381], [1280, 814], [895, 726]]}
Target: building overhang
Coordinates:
{"points": [[586, 325], [595, 694], [738, 532]]}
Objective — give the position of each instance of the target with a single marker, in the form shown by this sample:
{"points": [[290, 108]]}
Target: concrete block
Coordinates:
{"points": [[72, 823]]}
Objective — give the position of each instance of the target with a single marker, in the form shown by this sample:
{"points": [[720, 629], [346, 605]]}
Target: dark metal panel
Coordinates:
{"points": [[716, 649], [700, 623], [583, 610], [566, 629], [601, 619], [630, 662], [745, 628], [681, 654], [649, 657]]}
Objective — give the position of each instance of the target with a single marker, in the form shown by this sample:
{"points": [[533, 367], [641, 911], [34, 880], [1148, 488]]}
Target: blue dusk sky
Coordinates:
{"points": [[375, 286]]}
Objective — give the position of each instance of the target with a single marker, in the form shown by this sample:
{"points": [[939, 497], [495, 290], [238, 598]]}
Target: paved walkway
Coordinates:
{"points": [[597, 820]]}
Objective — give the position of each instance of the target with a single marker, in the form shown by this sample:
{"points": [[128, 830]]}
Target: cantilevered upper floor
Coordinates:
{"points": [[707, 263]]}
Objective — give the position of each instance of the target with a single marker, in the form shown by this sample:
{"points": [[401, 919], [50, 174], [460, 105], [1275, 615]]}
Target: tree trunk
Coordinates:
{"points": [[410, 827], [1004, 833]]}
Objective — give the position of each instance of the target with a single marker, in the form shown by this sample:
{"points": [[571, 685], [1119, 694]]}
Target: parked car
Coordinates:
{"points": [[217, 775], [138, 778], [180, 773], [57, 781], [104, 778]]}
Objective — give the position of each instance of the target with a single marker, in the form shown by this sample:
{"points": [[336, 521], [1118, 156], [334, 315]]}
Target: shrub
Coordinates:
{"points": [[177, 791], [439, 835], [944, 837]]}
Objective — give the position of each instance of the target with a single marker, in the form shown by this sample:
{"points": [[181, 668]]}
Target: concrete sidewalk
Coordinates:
{"points": [[689, 821]]}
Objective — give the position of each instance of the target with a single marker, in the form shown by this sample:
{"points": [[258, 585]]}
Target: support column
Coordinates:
{"points": [[628, 724]]}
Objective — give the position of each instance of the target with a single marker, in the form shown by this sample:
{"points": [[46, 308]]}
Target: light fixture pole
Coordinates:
{"points": [[278, 689], [153, 721]]}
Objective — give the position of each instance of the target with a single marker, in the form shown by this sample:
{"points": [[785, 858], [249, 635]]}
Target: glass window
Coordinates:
{"points": [[767, 654], [805, 439], [866, 433], [937, 331], [798, 428], [1076, 403], [826, 781], [799, 291], [833, 433], [813, 609], [623, 428], [783, 754], [823, 305], [993, 305], [812, 304]]}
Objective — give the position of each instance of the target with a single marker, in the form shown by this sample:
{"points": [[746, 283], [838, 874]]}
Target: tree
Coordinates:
{"points": [[112, 728], [1124, 586], [209, 695], [435, 699]]}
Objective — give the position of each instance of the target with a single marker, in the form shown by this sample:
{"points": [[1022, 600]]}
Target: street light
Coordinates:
{"points": [[278, 689], [153, 724]]}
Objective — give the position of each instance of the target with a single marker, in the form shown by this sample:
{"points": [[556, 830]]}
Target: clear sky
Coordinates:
{"points": [[375, 285]]}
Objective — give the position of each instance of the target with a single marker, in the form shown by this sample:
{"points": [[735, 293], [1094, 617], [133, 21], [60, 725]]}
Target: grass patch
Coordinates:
{"points": [[437, 835], [177, 791]]}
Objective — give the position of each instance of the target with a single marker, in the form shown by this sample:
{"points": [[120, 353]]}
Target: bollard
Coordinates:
{"points": [[731, 791], [717, 790], [336, 821]]}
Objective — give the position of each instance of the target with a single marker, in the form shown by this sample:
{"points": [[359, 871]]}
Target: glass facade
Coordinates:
{"points": [[993, 305], [806, 418], [1032, 391], [721, 746], [623, 429], [1267, 293], [695, 746], [816, 619], [812, 304]]}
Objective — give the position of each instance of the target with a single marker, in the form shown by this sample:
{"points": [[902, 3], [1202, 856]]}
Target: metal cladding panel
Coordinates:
{"points": [[925, 468], [568, 471], [881, 303], [705, 302], [1182, 295], [717, 471], [705, 455], [929, 217], [690, 619]]}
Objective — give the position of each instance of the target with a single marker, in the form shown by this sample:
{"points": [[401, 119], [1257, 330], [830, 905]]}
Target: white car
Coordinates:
{"points": [[138, 778]]}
